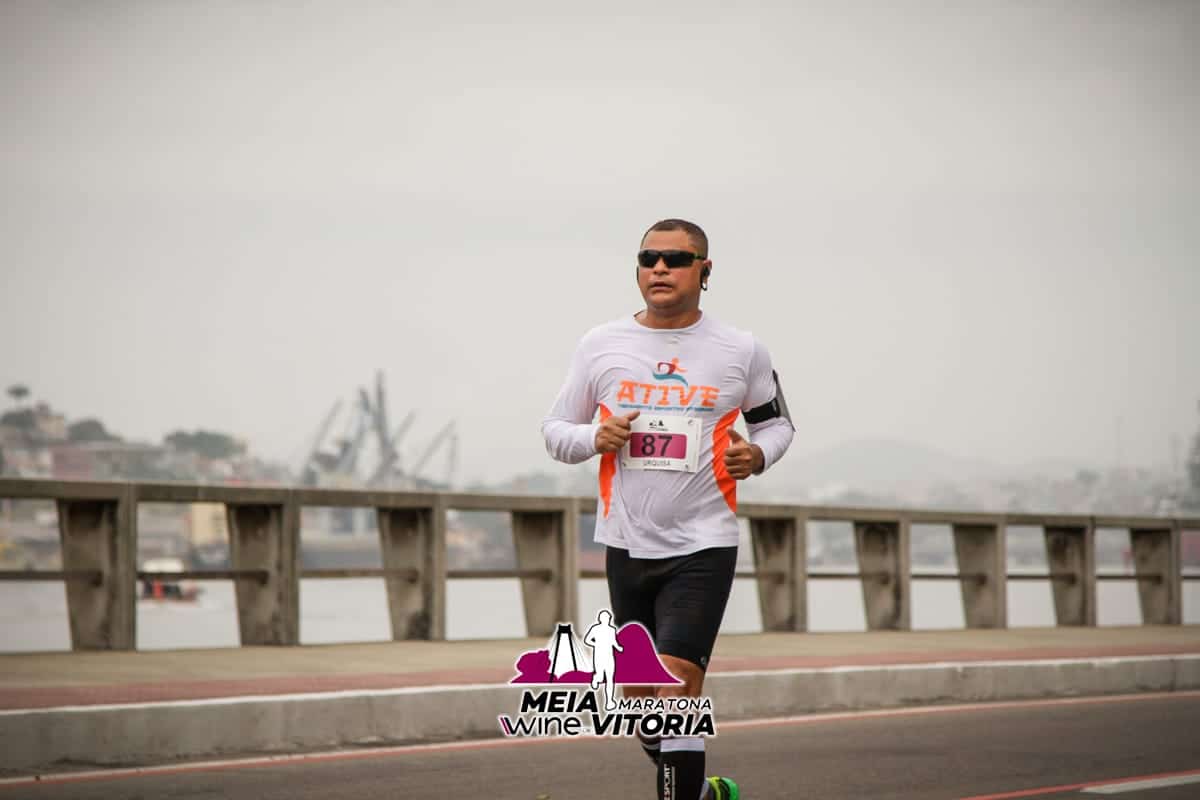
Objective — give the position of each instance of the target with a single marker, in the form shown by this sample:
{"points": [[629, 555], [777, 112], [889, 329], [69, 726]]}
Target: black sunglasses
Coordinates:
{"points": [[672, 258]]}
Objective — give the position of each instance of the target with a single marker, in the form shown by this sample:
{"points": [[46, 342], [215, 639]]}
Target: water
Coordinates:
{"points": [[33, 616]]}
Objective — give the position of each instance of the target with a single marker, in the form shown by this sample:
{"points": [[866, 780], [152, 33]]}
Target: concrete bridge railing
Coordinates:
{"points": [[98, 535]]}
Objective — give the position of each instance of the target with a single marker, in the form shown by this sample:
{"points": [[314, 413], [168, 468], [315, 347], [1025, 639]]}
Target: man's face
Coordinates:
{"points": [[666, 289]]}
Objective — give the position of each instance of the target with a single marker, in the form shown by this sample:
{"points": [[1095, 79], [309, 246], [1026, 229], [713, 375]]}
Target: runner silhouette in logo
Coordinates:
{"points": [[602, 638]]}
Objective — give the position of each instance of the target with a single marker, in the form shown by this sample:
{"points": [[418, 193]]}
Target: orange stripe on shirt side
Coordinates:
{"points": [[608, 468], [720, 444]]}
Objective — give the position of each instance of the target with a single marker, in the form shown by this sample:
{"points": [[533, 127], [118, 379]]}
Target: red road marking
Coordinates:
{"points": [[949, 709], [1069, 787], [488, 744]]}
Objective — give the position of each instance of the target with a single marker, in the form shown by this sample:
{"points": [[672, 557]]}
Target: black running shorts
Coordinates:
{"points": [[680, 600]]}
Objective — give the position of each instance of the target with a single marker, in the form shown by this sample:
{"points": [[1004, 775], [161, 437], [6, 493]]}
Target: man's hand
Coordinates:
{"points": [[614, 432], [742, 459]]}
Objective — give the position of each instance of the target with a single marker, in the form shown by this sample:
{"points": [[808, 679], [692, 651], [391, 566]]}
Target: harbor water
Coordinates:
{"points": [[33, 616]]}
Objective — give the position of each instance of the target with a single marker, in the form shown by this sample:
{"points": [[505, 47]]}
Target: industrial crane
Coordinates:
{"points": [[369, 422]]}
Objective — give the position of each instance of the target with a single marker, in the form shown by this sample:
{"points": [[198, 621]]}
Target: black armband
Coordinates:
{"points": [[776, 407]]}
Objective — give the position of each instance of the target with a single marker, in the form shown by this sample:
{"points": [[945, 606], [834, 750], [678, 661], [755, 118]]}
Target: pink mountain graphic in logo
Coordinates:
{"points": [[636, 663]]}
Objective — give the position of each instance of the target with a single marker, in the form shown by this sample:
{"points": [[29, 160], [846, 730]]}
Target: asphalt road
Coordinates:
{"points": [[944, 753]]}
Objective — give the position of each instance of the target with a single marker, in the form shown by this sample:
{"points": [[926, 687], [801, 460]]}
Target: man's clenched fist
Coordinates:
{"points": [[614, 432], [742, 459]]}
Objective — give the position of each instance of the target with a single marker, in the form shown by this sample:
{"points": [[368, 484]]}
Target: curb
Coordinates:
{"points": [[155, 732]]}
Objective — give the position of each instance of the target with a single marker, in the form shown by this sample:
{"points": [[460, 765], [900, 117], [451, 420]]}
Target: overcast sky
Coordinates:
{"points": [[973, 226]]}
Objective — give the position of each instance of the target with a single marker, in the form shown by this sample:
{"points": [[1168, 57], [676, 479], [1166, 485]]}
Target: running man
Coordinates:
{"points": [[602, 638], [668, 383]]}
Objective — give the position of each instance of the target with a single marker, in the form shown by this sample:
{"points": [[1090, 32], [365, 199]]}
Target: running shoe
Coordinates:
{"points": [[723, 789]]}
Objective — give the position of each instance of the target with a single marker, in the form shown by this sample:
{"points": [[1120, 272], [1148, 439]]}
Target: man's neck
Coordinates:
{"points": [[668, 320]]}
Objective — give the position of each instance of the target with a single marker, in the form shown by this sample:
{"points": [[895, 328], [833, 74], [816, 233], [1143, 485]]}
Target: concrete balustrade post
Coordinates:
{"points": [[1176, 576], [779, 548], [1154, 559], [548, 540], [101, 535], [884, 559], [981, 551], [1071, 556], [414, 538], [800, 573], [266, 537]]}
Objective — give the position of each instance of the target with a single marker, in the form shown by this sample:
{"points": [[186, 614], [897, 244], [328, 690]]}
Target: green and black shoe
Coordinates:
{"points": [[722, 789]]}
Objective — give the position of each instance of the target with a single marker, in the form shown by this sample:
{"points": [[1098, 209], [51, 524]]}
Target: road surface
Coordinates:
{"points": [[1009, 750]]}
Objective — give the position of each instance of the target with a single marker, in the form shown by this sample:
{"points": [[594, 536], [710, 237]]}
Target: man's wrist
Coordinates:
{"points": [[760, 460]]}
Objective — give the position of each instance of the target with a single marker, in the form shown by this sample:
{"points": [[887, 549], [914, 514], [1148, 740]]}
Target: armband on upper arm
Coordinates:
{"points": [[776, 407]]}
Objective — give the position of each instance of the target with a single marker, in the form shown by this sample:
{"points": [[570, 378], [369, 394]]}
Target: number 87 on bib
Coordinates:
{"points": [[668, 442]]}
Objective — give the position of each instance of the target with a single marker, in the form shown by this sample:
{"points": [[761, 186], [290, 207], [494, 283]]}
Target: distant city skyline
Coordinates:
{"points": [[969, 228]]}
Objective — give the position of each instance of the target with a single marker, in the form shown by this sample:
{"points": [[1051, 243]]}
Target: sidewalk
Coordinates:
{"points": [[54, 680]]}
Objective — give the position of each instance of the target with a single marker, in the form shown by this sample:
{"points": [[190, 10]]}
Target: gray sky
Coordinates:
{"points": [[974, 226]]}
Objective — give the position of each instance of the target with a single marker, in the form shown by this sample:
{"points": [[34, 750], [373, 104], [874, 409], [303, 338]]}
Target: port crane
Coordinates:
{"points": [[367, 428]]}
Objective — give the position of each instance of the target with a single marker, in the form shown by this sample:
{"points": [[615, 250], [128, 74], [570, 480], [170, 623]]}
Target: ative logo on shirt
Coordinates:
{"points": [[667, 395]]}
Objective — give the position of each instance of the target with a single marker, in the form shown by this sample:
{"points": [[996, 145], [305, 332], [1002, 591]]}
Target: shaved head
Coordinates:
{"points": [[694, 232]]}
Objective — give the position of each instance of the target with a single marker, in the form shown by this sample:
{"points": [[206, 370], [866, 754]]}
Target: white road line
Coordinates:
{"points": [[1136, 786], [349, 694]]}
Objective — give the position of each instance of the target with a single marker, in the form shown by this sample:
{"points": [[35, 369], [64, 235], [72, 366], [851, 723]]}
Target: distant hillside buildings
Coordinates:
{"points": [[37, 442]]}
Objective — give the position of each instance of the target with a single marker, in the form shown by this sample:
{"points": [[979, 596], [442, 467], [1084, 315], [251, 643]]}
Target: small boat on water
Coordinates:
{"points": [[165, 589]]}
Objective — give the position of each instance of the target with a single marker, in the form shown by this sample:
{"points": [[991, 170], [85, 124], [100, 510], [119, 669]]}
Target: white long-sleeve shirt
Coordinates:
{"points": [[708, 371]]}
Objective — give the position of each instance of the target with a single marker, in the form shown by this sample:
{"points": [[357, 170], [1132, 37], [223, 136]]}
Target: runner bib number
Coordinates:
{"points": [[663, 442]]}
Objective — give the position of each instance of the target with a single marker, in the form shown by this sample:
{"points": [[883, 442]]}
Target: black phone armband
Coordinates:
{"points": [[776, 407]]}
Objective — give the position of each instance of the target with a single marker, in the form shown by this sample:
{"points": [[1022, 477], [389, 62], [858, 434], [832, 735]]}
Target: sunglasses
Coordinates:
{"points": [[672, 258]]}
